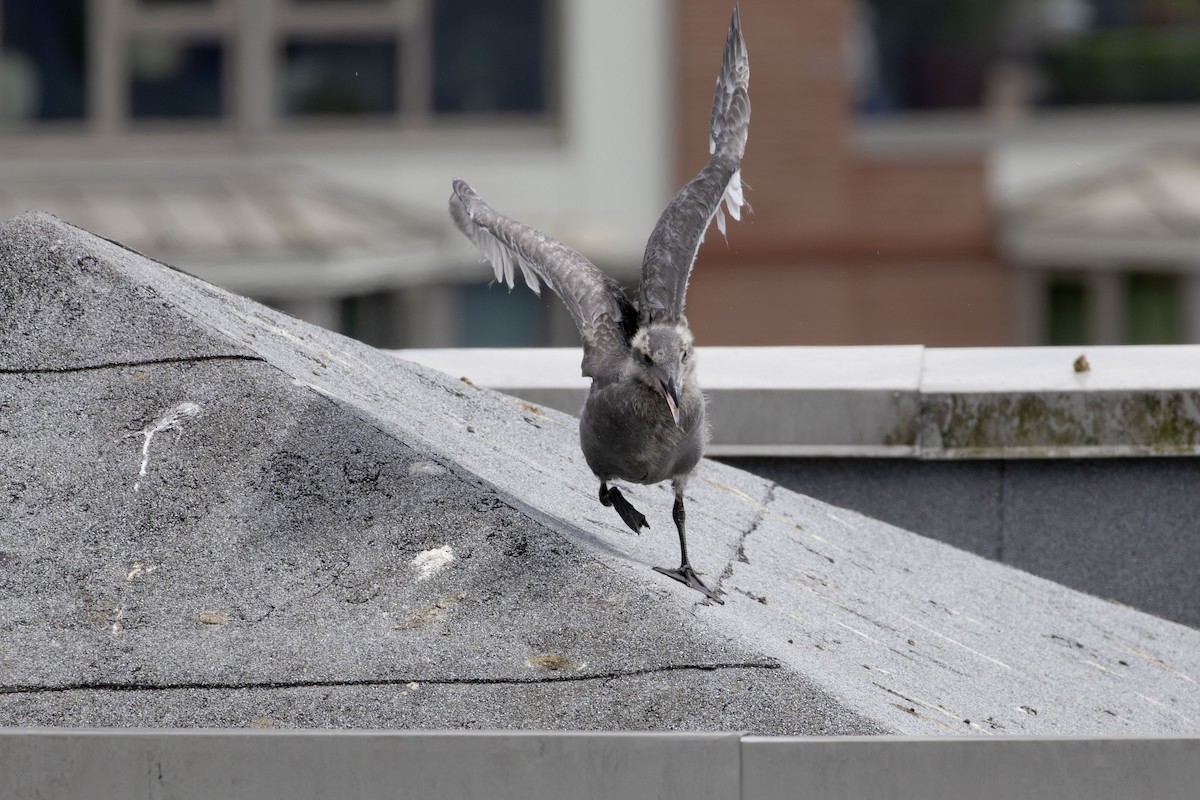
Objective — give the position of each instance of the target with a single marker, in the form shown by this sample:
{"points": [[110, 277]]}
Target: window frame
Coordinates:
{"points": [[253, 35]]}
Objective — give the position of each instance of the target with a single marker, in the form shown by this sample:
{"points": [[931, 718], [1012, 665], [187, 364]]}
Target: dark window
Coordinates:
{"points": [[489, 57], [174, 78], [43, 59], [339, 78], [168, 3], [1067, 310], [370, 318], [923, 54], [1153, 309], [489, 315]]}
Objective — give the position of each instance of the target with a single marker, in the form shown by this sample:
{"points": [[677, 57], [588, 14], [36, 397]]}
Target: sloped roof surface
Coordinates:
{"points": [[219, 515]]}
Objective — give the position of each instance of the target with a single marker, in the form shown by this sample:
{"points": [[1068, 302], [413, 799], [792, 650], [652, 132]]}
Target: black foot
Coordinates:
{"points": [[687, 576], [632, 517]]}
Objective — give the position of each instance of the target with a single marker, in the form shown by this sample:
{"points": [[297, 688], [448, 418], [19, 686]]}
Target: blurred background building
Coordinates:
{"points": [[945, 172]]}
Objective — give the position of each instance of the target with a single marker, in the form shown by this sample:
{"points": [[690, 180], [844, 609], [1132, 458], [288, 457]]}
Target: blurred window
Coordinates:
{"points": [[948, 54], [520, 321], [260, 66], [1068, 312], [1153, 308], [489, 57], [1150, 307], [43, 60], [339, 77], [171, 78], [370, 318]]}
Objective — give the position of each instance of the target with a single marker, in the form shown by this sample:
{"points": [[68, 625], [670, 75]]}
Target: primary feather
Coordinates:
{"points": [[595, 301], [675, 240]]}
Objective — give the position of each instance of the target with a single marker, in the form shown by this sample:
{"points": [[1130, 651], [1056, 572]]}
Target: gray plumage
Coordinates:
{"points": [[644, 417]]}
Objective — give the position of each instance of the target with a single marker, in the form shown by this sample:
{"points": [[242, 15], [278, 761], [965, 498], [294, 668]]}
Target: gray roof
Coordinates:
{"points": [[1142, 207], [218, 515], [273, 231]]}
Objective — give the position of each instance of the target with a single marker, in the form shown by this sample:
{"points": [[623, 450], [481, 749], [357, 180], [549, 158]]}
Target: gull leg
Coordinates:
{"points": [[632, 517], [685, 574]]}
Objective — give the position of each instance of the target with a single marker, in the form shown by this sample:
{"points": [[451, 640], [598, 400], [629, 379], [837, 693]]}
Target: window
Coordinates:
{"points": [[1153, 308], [339, 78], [1068, 312], [43, 58], [472, 37], [933, 54], [170, 77], [520, 321], [250, 65], [1127, 307]]}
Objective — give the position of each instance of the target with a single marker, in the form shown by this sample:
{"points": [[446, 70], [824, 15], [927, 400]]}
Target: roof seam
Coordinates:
{"points": [[126, 364], [102, 686]]}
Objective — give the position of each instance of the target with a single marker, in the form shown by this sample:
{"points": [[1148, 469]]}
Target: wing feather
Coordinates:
{"points": [[596, 302], [675, 240]]}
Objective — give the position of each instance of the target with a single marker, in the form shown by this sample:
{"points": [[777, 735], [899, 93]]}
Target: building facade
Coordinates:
{"points": [[901, 155]]}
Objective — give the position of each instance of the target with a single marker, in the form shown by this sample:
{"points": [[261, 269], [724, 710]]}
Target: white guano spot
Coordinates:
{"points": [[430, 562], [139, 568], [167, 421], [430, 468]]}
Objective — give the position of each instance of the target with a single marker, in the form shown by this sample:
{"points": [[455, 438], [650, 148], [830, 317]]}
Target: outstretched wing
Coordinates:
{"points": [[671, 250], [602, 312]]}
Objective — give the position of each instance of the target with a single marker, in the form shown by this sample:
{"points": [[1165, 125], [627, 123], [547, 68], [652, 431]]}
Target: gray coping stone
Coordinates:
{"points": [[1014, 768], [104, 765], [434, 765], [258, 535], [904, 401], [764, 401]]}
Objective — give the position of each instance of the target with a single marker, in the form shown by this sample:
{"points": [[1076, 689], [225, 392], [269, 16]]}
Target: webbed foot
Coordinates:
{"points": [[632, 517], [687, 576]]}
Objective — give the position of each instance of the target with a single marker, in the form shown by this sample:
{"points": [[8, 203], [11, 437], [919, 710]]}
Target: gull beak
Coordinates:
{"points": [[670, 393]]}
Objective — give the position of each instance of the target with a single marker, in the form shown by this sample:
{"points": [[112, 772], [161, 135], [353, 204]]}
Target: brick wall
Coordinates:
{"points": [[841, 247]]}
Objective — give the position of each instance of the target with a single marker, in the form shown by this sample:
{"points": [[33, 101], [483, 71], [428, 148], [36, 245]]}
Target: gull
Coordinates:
{"points": [[644, 417]]}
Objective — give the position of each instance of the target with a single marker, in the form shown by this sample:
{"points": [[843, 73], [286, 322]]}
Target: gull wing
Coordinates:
{"points": [[671, 250], [602, 312]]}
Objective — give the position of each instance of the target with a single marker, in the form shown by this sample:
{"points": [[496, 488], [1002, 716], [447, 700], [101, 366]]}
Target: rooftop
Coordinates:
{"points": [[222, 516]]}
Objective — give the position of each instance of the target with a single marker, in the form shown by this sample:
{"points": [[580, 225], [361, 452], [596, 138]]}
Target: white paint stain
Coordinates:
{"points": [[426, 468], [430, 562], [954, 642], [139, 568], [859, 633], [1165, 707], [118, 624], [838, 519], [167, 421]]}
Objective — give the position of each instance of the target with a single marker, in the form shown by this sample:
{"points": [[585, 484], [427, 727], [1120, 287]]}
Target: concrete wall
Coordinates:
{"points": [[1123, 529], [723, 766]]}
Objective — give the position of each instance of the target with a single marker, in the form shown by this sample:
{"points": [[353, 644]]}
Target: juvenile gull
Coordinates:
{"points": [[643, 420]]}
